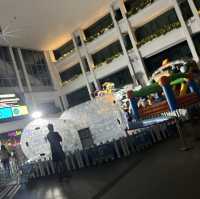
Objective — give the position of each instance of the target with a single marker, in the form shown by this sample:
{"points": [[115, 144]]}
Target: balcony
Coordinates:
{"points": [[150, 12], [102, 41], [63, 51], [67, 61], [110, 67], [162, 31], [101, 32], [109, 60], [66, 55], [137, 6], [73, 84]]}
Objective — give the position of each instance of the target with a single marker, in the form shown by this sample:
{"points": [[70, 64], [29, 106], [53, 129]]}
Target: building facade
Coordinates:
{"points": [[125, 46]]}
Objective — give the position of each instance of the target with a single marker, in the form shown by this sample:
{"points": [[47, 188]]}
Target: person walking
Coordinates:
{"points": [[5, 159], [58, 155]]}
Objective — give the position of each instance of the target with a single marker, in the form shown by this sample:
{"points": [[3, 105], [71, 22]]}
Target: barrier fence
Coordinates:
{"points": [[138, 140]]}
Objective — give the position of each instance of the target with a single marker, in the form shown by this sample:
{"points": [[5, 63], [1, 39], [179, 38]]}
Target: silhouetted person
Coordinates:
{"points": [[58, 155], [5, 159]]}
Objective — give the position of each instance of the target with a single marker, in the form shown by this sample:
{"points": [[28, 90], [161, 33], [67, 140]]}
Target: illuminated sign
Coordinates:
{"points": [[5, 113], [19, 111], [10, 112]]}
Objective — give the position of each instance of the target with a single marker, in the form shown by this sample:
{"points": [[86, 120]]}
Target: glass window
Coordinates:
{"points": [[37, 68], [7, 73]]}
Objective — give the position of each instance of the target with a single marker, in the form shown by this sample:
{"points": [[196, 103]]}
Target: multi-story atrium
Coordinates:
{"points": [[55, 56]]}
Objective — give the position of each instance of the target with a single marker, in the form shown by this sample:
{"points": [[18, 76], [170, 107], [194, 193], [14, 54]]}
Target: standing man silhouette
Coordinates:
{"points": [[58, 155]]}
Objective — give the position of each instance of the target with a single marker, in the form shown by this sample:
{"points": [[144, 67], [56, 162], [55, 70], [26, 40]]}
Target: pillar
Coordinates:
{"points": [[130, 66], [90, 61], [169, 94], [186, 31], [82, 67], [55, 77], [28, 83], [16, 70], [133, 104], [138, 56]]}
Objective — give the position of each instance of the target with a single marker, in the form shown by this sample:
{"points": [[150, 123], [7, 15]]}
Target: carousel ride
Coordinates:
{"points": [[173, 86]]}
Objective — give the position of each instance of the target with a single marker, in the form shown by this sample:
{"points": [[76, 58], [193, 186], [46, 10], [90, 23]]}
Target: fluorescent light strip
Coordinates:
{"points": [[7, 96], [10, 100]]}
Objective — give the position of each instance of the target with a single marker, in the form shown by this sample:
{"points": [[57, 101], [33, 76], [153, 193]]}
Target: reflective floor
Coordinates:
{"points": [[162, 172]]}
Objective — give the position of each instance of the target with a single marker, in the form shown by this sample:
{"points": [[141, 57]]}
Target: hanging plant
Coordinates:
{"points": [[162, 31], [141, 6], [102, 31]]}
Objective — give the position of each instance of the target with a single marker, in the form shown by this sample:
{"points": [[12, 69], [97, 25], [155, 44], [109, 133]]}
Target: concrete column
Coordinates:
{"points": [[186, 31], [194, 10], [133, 40], [130, 66], [90, 61], [82, 64], [28, 95], [55, 77], [24, 70], [19, 81]]}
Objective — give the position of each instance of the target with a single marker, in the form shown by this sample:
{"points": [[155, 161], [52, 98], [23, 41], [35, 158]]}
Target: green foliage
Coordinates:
{"points": [[141, 5], [93, 37], [162, 31]]}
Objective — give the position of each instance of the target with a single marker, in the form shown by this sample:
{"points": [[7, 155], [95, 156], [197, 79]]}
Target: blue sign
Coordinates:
{"points": [[5, 113]]}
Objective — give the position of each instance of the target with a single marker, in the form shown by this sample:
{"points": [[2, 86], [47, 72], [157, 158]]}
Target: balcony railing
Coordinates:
{"points": [[66, 54], [101, 32], [109, 59], [162, 31], [72, 79], [137, 7]]}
